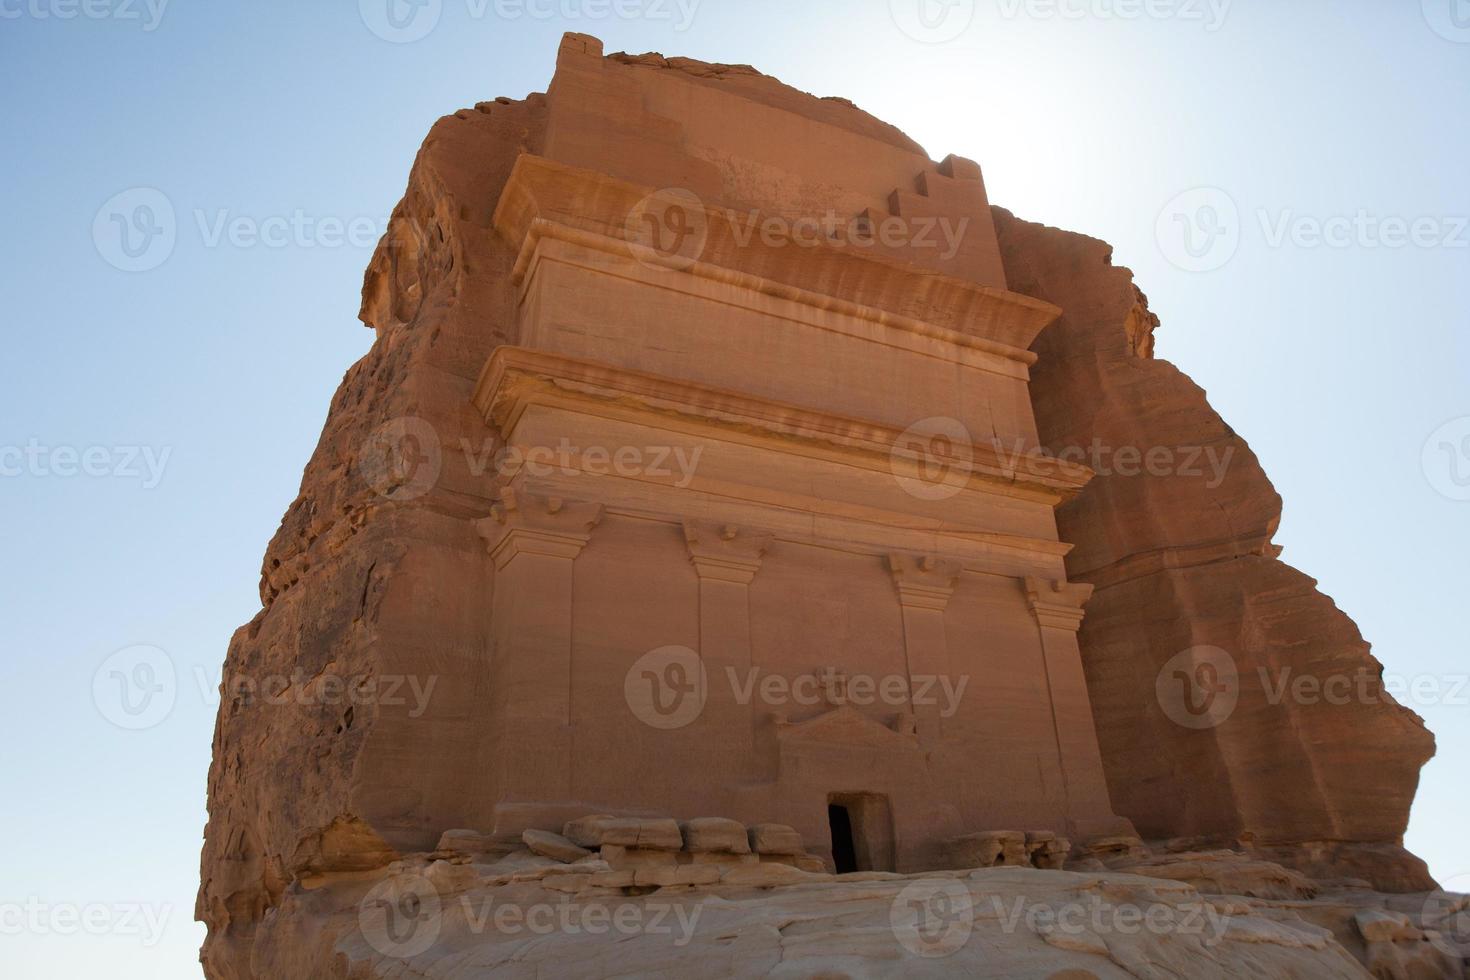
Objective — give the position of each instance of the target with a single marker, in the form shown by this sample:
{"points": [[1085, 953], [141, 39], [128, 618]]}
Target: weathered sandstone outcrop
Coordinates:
{"points": [[1181, 559], [461, 915], [376, 732]]}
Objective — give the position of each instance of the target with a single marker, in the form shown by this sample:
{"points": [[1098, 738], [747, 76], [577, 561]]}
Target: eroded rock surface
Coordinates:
{"points": [[1187, 580], [370, 765], [526, 916]]}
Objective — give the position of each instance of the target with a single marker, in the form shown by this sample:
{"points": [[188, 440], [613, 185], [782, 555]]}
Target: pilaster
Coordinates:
{"points": [[727, 558], [1058, 609], [534, 542], [925, 585]]}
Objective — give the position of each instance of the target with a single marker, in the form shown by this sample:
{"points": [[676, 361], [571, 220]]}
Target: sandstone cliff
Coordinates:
{"points": [[316, 783], [1182, 558], [349, 769]]}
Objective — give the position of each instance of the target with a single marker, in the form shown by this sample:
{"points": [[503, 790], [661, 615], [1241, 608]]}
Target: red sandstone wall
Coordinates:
{"points": [[304, 787], [346, 591], [1181, 563]]}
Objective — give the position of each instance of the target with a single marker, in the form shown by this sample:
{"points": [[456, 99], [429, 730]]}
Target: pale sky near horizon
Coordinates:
{"points": [[158, 406]]}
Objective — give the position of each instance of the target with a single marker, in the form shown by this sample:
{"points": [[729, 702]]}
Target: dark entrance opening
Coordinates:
{"points": [[862, 832], [844, 852]]}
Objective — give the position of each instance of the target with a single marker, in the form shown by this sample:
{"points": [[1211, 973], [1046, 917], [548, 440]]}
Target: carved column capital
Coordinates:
{"points": [[524, 523], [923, 581], [725, 552], [1057, 603]]}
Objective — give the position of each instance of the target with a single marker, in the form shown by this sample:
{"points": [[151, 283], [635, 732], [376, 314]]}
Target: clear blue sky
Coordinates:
{"points": [[1337, 363]]}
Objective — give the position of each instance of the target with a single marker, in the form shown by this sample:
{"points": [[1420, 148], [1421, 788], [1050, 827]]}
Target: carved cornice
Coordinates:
{"points": [[526, 524], [517, 377], [724, 552], [923, 581], [1057, 603], [546, 199]]}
